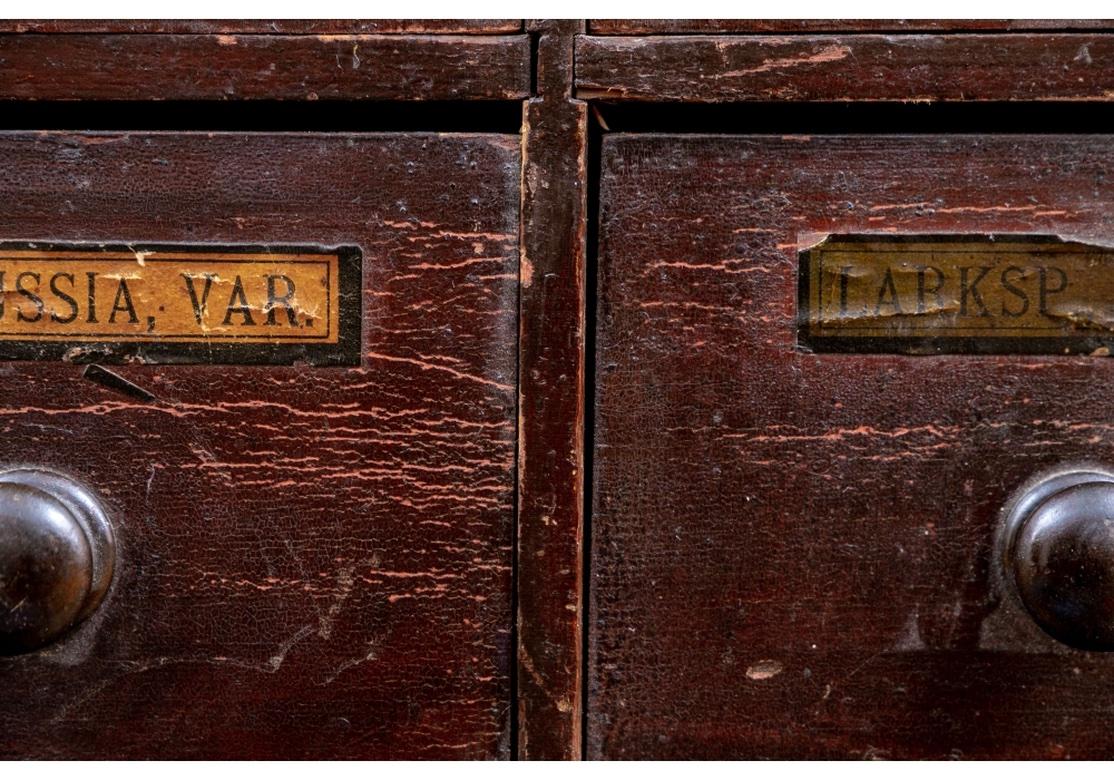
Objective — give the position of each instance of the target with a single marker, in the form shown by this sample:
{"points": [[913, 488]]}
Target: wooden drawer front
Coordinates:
{"points": [[178, 65], [314, 561], [874, 67], [753, 26], [793, 553]]}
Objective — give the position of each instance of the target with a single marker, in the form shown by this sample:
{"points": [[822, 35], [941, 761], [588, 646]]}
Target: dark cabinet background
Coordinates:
{"points": [[584, 495]]}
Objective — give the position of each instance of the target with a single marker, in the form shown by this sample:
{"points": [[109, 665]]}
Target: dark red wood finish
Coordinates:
{"points": [[551, 405], [716, 69], [314, 562], [274, 67], [792, 553], [791, 26], [267, 26]]}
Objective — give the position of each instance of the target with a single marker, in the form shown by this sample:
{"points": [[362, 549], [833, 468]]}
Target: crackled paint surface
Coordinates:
{"points": [[793, 553], [314, 561], [867, 67]]}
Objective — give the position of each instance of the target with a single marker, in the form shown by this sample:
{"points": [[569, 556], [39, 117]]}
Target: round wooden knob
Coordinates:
{"points": [[1059, 552], [57, 552]]}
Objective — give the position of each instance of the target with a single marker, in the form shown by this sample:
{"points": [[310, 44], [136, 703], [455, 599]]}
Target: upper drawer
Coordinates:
{"points": [[797, 552], [1071, 66], [253, 66], [313, 560], [757, 26]]}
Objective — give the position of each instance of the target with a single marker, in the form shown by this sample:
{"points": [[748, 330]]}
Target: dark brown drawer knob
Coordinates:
{"points": [[57, 552], [1059, 551]]}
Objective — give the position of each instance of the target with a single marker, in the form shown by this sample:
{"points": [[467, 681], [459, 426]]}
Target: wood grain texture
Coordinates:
{"points": [[275, 67], [551, 406], [314, 562], [751, 26], [847, 67], [266, 26], [792, 554]]}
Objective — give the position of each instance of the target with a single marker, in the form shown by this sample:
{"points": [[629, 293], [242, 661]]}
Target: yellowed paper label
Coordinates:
{"points": [[174, 295], [956, 293]]}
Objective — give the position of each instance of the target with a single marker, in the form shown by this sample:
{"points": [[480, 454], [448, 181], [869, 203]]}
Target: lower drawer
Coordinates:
{"points": [[313, 560], [796, 548]]}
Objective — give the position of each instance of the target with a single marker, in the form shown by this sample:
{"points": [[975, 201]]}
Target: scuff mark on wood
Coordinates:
{"points": [[764, 670], [113, 381]]}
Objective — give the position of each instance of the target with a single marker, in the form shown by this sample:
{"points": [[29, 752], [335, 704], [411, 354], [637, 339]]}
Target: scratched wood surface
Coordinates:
{"points": [[748, 26], [315, 562], [792, 553], [275, 67], [551, 405], [706, 68], [266, 26]]}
